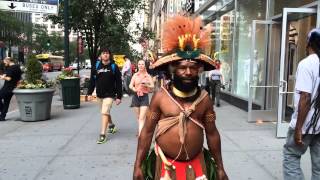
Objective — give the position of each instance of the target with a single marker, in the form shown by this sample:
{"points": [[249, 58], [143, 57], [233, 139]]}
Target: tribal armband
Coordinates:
{"points": [[210, 117], [154, 116]]}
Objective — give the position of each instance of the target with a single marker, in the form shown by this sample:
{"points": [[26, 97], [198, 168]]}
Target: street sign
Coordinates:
{"points": [[80, 45], [40, 6]]}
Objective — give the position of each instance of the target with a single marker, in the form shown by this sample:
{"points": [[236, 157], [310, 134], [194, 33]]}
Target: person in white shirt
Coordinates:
{"points": [[304, 129], [215, 81], [126, 75]]}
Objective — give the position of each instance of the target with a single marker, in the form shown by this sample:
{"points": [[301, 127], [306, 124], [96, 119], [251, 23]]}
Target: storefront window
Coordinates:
{"points": [[248, 11], [224, 46], [276, 6]]}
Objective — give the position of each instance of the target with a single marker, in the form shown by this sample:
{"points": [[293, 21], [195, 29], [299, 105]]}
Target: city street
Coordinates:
{"points": [[260, 58], [65, 147]]}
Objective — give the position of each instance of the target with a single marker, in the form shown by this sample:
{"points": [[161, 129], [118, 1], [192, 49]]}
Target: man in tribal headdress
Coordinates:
{"points": [[182, 112]]}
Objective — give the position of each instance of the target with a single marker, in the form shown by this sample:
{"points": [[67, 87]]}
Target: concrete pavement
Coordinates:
{"points": [[65, 147]]}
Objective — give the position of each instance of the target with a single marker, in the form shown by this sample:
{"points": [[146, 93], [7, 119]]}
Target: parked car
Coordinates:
{"points": [[88, 66], [47, 67]]}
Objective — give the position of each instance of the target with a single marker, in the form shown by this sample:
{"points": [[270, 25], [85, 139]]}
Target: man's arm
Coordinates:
{"points": [[132, 82], [303, 109], [93, 78], [5, 77], [145, 138], [213, 139], [118, 82], [304, 85]]}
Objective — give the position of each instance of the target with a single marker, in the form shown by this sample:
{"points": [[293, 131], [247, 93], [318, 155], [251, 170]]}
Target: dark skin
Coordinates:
{"points": [[161, 106], [303, 109]]}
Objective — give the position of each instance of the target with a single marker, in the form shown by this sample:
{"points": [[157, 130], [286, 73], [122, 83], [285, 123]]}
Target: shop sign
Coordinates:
{"points": [[40, 6]]}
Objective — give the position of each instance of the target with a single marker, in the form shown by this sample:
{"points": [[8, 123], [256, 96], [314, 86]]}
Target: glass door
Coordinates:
{"points": [[264, 63], [296, 23]]}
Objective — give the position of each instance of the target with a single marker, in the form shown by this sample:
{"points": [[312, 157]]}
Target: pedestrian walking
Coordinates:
{"points": [[304, 128], [108, 87], [11, 77], [215, 81], [141, 84], [126, 76], [182, 114]]}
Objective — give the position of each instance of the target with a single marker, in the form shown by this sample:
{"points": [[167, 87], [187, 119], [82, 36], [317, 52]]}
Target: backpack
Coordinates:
{"points": [[113, 67]]}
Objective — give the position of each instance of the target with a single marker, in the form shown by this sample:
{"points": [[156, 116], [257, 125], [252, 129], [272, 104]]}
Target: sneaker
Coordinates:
{"points": [[102, 139], [112, 129]]}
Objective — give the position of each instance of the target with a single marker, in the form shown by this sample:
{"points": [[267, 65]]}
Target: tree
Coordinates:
{"points": [[13, 31], [103, 23], [41, 37]]}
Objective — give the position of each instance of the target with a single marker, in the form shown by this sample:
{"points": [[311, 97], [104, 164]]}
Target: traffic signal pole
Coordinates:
{"points": [[66, 33]]}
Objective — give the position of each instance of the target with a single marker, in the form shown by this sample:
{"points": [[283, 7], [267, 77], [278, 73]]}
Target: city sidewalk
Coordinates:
{"points": [[65, 147]]}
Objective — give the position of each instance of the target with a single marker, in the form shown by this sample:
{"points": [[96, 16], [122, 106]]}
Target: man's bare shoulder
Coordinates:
{"points": [[207, 102], [158, 95]]}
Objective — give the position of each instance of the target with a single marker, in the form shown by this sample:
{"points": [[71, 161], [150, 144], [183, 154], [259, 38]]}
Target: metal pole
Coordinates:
{"points": [[66, 33], [78, 53]]}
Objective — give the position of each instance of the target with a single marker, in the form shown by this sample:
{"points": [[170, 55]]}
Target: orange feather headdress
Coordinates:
{"points": [[185, 38]]}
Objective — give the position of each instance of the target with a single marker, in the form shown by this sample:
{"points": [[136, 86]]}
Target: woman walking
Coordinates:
{"points": [[141, 84]]}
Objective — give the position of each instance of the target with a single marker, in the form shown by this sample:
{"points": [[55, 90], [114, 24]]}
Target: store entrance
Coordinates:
{"points": [[273, 67], [296, 23]]}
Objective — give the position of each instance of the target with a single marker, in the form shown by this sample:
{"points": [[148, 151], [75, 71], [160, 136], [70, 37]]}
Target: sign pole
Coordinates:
{"points": [[66, 33], [78, 52]]}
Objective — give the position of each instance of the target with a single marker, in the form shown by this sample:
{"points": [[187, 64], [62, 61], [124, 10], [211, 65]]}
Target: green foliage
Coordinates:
{"points": [[33, 75], [149, 166], [34, 70], [104, 23], [12, 28], [147, 34]]}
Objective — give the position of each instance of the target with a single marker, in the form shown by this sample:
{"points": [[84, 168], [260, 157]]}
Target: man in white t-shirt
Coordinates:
{"points": [[215, 81], [304, 130]]}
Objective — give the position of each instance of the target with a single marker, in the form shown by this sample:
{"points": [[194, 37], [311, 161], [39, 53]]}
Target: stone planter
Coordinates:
{"points": [[34, 104]]}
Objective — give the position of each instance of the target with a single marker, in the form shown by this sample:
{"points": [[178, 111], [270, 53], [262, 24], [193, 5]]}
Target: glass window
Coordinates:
{"points": [[248, 10], [224, 46], [277, 6]]}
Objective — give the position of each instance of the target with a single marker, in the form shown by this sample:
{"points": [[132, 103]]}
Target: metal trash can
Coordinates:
{"points": [[71, 93]]}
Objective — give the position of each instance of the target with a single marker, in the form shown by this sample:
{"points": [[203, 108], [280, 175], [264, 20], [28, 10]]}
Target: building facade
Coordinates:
{"points": [[40, 19], [260, 43]]}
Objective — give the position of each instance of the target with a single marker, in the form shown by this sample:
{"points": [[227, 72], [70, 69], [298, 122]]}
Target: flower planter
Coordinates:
{"points": [[70, 93], [34, 104]]}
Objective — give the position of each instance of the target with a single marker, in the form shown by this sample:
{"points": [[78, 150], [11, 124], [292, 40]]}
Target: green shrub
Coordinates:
{"points": [[34, 70], [33, 76]]}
